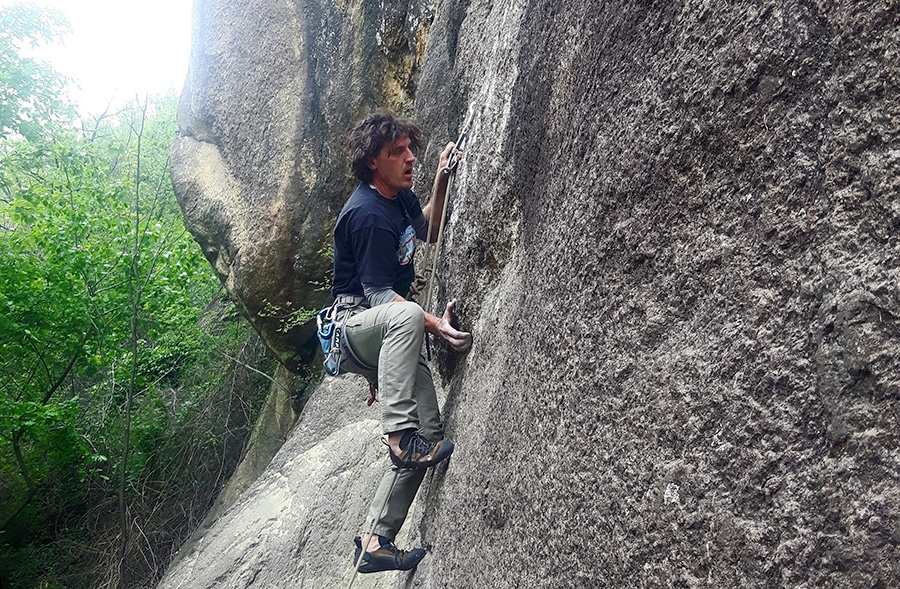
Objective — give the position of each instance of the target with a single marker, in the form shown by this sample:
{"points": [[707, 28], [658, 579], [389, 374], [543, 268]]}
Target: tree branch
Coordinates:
{"points": [[20, 460], [248, 367], [62, 377], [136, 288]]}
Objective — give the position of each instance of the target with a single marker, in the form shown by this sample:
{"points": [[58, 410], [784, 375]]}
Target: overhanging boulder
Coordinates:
{"points": [[259, 164]]}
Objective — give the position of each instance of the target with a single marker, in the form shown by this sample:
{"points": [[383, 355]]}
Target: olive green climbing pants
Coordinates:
{"points": [[390, 337]]}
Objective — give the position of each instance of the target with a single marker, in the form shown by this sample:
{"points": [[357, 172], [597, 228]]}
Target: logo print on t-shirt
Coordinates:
{"points": [[407, 246]]}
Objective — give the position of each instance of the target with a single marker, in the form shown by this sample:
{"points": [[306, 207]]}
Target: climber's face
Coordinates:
{"points": [[393, 167]]}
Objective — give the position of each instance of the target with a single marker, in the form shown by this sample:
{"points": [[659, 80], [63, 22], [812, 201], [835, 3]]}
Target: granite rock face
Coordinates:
{"points": [[675, 239]]}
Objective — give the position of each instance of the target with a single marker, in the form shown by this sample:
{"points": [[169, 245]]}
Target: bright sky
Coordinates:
{"points": [[120, 48]]}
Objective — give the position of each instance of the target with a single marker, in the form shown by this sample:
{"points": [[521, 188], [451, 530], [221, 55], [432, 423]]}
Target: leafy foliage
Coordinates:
{"points": [[114, 341], [30, 91]]}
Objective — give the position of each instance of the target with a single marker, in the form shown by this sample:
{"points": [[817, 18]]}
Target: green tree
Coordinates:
{"points": [[119, 404], [30, 91]]}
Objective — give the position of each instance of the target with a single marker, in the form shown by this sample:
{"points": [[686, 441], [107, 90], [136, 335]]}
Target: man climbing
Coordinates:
{"points": [[374, 243]]}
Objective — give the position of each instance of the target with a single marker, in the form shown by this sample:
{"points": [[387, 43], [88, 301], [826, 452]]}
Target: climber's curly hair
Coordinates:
{"points": [[373, 133]]}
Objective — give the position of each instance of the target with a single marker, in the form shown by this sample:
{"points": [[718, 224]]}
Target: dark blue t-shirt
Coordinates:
{"points": [[374, 242]]}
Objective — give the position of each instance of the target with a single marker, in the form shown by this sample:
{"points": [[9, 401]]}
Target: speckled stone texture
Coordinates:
{"points": [[674, 237]]}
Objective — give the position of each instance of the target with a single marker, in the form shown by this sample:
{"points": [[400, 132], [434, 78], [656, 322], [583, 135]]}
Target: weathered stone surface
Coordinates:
{"points": [[259, 163], [675, 240], [274, 422], [285, 530]]}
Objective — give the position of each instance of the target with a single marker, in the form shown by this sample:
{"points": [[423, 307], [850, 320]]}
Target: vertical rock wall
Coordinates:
{"points": [[674, 236]]}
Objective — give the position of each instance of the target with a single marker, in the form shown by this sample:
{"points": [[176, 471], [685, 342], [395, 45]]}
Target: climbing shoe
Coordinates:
{"points": [[417, 451], [387, 558]]}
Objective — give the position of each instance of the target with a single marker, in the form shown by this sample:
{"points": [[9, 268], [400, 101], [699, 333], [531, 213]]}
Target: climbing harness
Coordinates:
{"points": [[452, 162], [330, 330]]}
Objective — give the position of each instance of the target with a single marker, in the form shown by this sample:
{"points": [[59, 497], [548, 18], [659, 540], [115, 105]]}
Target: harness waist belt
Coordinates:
{"points": [[345, 306], [350, 300]]}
